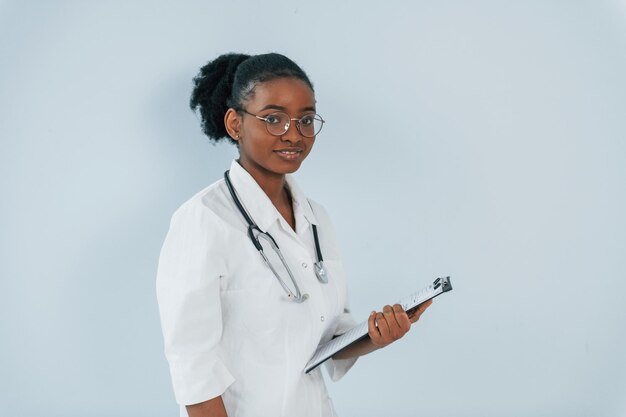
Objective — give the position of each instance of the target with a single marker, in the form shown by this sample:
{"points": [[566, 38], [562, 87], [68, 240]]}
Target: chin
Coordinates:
{"points": [[286, 167], [289, 168]]}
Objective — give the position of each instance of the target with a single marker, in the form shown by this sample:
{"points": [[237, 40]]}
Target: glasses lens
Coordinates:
{"points": [[277, 123], [310, 125]]}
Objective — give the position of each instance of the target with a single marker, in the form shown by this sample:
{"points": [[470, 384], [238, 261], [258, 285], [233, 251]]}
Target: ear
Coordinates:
{"points": [[232, 121]]}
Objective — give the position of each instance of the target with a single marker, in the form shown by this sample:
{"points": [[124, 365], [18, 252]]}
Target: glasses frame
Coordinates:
{"points": [[290, 119]]}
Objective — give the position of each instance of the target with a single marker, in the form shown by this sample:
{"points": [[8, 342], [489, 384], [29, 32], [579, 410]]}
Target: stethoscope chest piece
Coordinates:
{"points": [[320, 272]]}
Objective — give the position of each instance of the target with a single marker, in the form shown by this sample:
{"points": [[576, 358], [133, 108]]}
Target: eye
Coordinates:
{"points": [[307, 120], [272, 119]]}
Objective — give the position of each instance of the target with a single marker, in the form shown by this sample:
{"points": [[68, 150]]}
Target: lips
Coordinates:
{"points": [[289, 153], [289, 150]]}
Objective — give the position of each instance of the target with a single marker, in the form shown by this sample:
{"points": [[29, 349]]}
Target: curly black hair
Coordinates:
{"points": [[229, 80]]}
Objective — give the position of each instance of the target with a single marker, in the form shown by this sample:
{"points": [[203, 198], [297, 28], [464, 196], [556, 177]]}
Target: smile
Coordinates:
{"points": [[289, 154]]}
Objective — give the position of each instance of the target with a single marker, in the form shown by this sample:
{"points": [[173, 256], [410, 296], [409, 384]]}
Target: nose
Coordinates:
{"points": [[292, 134]]}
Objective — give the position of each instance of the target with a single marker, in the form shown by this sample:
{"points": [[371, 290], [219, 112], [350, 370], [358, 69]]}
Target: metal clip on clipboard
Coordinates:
{"points": [[409, 304]]}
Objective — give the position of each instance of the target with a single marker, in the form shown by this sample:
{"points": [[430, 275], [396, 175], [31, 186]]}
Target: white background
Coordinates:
{"points": [[478, 139]]}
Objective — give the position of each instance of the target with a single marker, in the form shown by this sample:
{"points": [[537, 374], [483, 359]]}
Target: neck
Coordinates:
{"points": [[274, 188], [272, 184]]}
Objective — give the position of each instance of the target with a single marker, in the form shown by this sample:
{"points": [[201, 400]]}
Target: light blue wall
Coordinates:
{"points": [[483, 139]]}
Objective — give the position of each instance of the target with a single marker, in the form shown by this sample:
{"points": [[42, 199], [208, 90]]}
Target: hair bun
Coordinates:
{"points": [[212, 90]]}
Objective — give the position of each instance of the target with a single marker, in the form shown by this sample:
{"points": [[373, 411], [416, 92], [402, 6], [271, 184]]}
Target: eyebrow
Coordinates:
{"points": [[284, 109]]}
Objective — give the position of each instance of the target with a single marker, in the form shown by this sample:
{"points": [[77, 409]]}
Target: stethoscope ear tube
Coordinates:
{"points": [[233, 194], [318, 252], [254, 240]]}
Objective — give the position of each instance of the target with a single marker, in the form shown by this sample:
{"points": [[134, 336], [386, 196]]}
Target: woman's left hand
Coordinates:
{"points": [[392, 323]]}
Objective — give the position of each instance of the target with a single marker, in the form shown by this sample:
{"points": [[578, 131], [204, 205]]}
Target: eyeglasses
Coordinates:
{"points": [[278, 123]]}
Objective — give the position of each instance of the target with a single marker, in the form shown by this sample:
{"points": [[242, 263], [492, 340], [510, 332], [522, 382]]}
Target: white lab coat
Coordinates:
{"points": [[228, 326]]}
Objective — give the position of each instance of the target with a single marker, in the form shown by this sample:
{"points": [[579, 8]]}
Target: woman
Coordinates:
{"points": [[237, 333]]}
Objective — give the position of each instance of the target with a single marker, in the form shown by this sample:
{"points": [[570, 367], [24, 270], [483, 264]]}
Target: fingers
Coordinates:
{"points": [[389, 325], [396, 321], [378, 329], [390, 320], [383, 327], [392, 323], [419, 311], [373, 331], [402, 318]]}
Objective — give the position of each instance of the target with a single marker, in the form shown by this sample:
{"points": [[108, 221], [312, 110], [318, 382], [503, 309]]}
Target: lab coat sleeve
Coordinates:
{"points": [[188, 293], [337, 368]]}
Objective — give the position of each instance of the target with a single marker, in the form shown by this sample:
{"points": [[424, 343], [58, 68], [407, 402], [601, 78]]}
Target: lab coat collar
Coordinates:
{"points": [[301, 206], [260, 207]]}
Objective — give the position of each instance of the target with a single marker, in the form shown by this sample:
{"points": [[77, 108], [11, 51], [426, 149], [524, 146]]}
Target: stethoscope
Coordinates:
{"points": [[255, 233]]}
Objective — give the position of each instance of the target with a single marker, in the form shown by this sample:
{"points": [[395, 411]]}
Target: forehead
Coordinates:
{"points": [[291, 93]]}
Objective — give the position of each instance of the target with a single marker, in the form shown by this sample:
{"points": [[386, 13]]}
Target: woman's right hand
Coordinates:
{"points": [[392, 323]]}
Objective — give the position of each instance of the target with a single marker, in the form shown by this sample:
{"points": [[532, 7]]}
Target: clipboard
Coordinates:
{"points": [[409, 303]]}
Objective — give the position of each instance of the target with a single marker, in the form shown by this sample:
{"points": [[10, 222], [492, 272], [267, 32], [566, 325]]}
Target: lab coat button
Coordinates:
{"points": [[304, 265], [322, 318]]}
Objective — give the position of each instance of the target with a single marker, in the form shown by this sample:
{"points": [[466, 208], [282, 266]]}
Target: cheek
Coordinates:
{"points": [[257, 143], [310, 147], [255, 132]]}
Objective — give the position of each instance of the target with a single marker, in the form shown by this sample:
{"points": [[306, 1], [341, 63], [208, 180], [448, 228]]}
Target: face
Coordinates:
{"points": [[261, 153]]}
